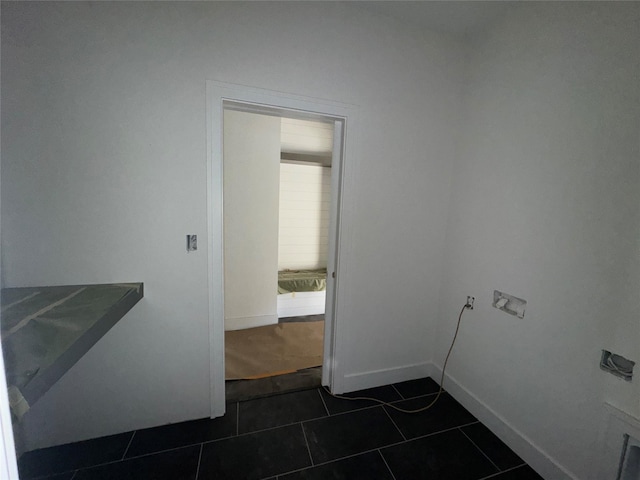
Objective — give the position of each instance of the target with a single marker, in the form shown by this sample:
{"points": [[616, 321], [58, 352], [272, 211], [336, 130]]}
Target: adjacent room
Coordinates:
{"points": [[277, 202], [474, 180]]}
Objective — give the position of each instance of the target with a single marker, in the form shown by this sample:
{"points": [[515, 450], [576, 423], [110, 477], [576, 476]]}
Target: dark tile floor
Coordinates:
{"points": [[299, 435]]}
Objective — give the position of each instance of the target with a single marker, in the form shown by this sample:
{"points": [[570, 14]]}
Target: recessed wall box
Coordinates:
{"points": [[617, 365], [509, 304]]}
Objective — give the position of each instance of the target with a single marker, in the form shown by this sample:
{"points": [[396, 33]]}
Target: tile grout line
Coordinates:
{"points": [[386, 446], [479, 449], [321, 464], [314, 419], [393, 402], [306, 442], [142, 456], [199, 460], [128, 445], [397, 391], [385, 462], [357, 409], [136, 457], [323, 402], [250, 433], [87, 467], [346, 413], [419, 437], [394, 424], [147, 454], [273, 428], [377, 448], [442, 431], [494, 475]]}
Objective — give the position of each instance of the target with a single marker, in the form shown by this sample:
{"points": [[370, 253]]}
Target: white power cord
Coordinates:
{"points": [[418, 410]]}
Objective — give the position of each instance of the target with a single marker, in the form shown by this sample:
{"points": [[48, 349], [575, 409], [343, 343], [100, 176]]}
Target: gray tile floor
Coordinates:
{"points": [[306, 434]]}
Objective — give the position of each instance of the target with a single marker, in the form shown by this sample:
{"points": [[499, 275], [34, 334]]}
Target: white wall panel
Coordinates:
{"points": [[251, 179], [104, 168], [546, 207]]}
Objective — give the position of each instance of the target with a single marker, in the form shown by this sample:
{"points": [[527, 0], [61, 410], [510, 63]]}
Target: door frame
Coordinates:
{"points": [[219, 96]]}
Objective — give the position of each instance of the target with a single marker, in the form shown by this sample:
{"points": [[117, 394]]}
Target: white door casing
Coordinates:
{"points": [[222, 96]]}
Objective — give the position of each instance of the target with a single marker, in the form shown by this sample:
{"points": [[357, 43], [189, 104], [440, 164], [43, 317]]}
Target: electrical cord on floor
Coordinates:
{"points": [[433, 402]]}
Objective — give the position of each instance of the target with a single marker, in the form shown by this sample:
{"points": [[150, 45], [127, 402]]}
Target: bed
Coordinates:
{"points": [[301, 292], [46, 330]]}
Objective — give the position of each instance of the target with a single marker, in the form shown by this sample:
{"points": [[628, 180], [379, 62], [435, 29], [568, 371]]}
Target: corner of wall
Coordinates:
{"points": [[531, 453]]}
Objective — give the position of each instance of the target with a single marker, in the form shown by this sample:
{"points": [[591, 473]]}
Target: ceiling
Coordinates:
{"points": [[458, 18]]}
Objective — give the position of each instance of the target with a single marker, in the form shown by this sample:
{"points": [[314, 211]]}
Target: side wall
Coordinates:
{"points": [[545, 206], [104, 172]]}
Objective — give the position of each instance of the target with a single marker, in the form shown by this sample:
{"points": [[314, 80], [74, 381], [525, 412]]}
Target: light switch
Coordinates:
{"points": [[192, 243]]}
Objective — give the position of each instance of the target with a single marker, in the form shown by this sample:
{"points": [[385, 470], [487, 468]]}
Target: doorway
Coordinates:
{"points": [[277, 195], [227, 97]]}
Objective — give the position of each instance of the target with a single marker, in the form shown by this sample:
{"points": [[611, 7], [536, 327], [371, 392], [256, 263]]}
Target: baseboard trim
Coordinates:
{"points": [[375, 378], [536, 457], [240, 323]]}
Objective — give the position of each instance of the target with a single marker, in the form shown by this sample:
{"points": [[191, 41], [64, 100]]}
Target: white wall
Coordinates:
{"points": [[251, 199], [104, 168], [545, 206], [303, 228]]}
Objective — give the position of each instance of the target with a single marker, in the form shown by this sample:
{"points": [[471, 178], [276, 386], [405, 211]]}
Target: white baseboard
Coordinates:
{"points": [[376, 378], [536, 457], [240, 323]]}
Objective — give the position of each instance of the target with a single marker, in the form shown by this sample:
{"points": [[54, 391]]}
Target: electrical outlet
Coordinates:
{"points": [[470, 301]]}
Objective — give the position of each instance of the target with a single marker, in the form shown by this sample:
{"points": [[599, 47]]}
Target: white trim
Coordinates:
{"points": [[245, 98], [387, 376], [615, 424], [8, 464], [215, 255], [330, 353], [240, 323], [535, 456]]}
